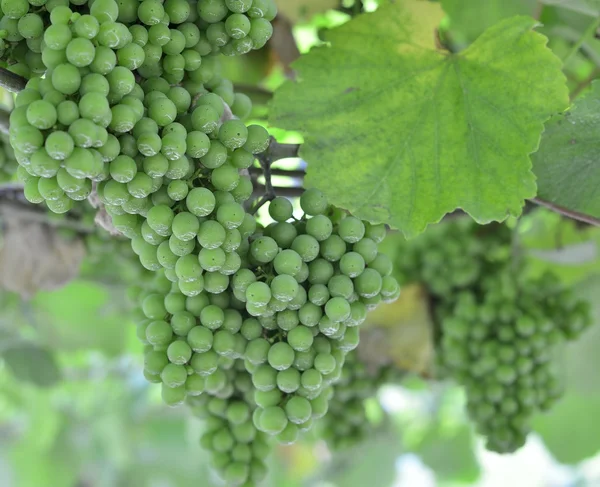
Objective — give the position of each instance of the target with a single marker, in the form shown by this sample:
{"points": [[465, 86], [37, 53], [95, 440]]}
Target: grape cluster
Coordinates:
{"points": [[109, 109], [242, 318], [235, 27], [346, 423], [498, 343], [498, 326], [22, 25], [239, 450], [309, 283], [191, 354], [154, 37], [452, 255]]}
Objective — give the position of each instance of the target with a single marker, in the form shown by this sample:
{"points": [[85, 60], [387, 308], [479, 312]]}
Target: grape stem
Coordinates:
{"points": [[275, 152], [575, 215], [11, 81], [265, 161]]}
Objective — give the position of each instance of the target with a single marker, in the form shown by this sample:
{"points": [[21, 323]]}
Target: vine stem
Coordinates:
{"points": [[584, 37], [275, 152], [11, 81], [575, 215]]}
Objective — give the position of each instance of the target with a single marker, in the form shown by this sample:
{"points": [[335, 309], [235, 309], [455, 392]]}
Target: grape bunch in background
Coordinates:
{"points": [[498, 326]]}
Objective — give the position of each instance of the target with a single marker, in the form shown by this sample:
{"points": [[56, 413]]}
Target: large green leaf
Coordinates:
{"points": [[31, 363], [402, 133], [469, 18], [566, 163]]}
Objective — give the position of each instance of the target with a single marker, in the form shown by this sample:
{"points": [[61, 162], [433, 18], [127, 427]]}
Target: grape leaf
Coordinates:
{"points": [[30, 363], [401, 133], [469, 18], [587, 7], [566, 164]]}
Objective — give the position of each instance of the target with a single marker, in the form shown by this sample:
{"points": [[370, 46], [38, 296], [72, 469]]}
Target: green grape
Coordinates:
{"points": [[204, 364], [341, 286], [233, 134], [185, 226], [320, 227], [368, 283], [264, 249], [211, 234], [264, 378], [179, 353], [375, 232], [284, 288], [298, 410], [311, 379], [225, 343], [313, 202], [258, 139], [300, 338], [273, 420], [281, 356], [238, 6], [287, 319], [333, 248], [212, 317], [159, 333], [258, 293], [351, 229]]}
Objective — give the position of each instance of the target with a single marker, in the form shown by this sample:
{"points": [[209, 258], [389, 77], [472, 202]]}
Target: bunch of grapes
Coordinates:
{"points": [[109, 109], [346, 423], [238, 449], [269, 333], [452, 255], [195, 362], [310, 283], [498, 342], [154, 37], [498, 326]]}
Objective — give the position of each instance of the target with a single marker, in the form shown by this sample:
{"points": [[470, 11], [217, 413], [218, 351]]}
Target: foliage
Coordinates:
{"points": [[564, 164], [450, 157]]}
